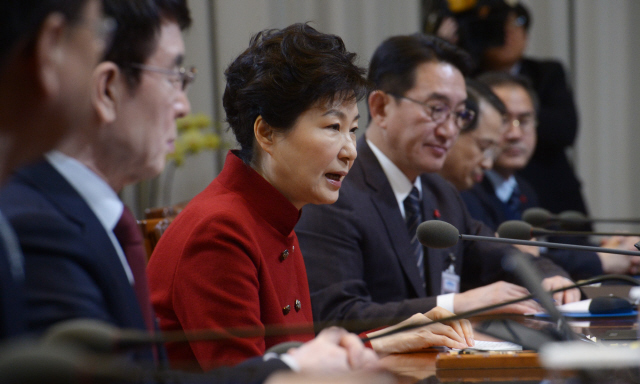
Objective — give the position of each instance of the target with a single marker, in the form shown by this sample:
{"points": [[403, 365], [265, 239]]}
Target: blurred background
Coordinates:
{"points": [[598, 42]]}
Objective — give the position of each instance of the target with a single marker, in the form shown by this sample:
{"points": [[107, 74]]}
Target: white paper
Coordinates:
{"points": [[495, 346], [575, 307]]}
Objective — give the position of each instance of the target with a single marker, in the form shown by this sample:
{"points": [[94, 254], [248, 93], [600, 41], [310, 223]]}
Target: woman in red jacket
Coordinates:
{"points": [[231, 258]]}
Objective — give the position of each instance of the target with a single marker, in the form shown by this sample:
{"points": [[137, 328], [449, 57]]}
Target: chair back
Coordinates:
{"points": [[151, 230], [161, 212]]}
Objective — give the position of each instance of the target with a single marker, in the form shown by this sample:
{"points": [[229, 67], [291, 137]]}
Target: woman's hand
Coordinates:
{"points": [[456, 334]]}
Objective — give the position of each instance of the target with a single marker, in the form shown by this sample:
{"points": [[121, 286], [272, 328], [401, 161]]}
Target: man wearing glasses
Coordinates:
{"points": [[48, 49], [363, 259], [83, 250], [65, 209], [478, 145], [504, 195]]}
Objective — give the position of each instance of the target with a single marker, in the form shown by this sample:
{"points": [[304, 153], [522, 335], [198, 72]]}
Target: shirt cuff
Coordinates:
{"points": [[286, 358], [446, 301]]}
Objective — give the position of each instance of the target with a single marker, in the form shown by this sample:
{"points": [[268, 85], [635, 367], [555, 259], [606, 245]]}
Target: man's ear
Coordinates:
{"points": [[264, 134], [378, 102], [108, 87], [49, 53]]}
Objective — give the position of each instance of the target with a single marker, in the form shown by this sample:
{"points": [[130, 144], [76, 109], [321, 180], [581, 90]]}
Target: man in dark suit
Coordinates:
{"points": [[46, 59], [549, 171], [362, 258], [503, 195], [84, 258]]}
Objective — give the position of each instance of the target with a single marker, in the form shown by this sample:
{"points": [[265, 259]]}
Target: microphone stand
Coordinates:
{"points": [[478, 311]]}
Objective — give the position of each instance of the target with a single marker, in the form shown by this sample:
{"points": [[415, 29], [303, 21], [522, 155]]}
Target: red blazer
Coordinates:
{"points": [[230, 259]]}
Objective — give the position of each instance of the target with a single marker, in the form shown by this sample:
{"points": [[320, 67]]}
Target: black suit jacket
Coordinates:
{"points": [[549, 171], [357, 253], [73, 270], [484, 205], [11, 284]]}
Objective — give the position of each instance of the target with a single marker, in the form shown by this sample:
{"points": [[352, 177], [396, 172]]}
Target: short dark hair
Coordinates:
{"points": [[283, 73], [522, 15], [499, 78], [20, 21], [393, 66], [477, 91], [139, 23]]}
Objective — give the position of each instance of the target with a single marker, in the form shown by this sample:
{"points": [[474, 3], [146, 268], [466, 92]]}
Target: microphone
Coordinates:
{"points": [[25, 362], [440, 234], [103, 337], [516, 229], [477, 311], [531, 279], [540, 217]]}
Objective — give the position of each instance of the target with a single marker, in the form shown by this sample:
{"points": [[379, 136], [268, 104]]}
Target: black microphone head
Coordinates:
{"points": [[572, 220], [22, 362], [437, 234], [86, 333], [515, 229], [537, 217]]}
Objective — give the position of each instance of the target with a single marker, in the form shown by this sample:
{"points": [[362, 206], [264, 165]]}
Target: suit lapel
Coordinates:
{"points": [[53, 186], [384, 200]]}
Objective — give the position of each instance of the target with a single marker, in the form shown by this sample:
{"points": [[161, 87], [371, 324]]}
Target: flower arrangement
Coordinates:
{"points": [[193, 136]]}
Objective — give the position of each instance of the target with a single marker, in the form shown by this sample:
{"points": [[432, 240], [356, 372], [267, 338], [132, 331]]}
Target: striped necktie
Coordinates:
{"points": [[413, 217]]}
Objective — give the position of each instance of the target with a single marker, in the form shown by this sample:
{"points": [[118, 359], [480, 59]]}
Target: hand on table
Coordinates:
{"points": [[564, 297], [334, 350], [495, 293], [455, 334]]}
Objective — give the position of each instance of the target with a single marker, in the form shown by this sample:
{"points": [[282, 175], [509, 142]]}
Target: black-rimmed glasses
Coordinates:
{"points": [[181, 77], [440, 112]]}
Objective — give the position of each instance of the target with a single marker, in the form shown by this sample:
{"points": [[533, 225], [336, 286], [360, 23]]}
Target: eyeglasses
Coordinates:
{"points": [[181, 77], [440, 112], [525, 121]]}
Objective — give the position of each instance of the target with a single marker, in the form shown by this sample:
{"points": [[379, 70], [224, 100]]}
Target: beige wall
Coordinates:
{"points": [[601, 56]]}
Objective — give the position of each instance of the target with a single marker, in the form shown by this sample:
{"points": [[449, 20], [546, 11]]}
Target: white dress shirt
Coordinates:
{"points": [[102, 200], [401, 186]]}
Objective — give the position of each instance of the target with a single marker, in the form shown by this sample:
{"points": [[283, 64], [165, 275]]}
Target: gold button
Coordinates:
{"points": [[286, 310], [284, 255], [298, 305]]}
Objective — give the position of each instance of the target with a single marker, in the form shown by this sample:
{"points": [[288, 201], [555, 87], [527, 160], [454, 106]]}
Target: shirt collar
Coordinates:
{"points": [[400, 183], [100, 197], [503, 187]]}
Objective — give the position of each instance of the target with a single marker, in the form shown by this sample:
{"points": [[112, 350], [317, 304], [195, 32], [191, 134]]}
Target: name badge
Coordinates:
{"points": [[450, 281]]}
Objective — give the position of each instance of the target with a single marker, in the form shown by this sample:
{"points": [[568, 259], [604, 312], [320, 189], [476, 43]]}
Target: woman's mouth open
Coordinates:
{"points": [[335, 179]]}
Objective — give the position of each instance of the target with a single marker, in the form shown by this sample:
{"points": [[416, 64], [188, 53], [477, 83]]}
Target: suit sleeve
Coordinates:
{"points": [[339, 250], [59, 284], [483, 260]]}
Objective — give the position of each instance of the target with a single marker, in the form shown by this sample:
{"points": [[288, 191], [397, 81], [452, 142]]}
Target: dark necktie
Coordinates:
{"points": [[130, 239], [413, 217], [514, 204]]}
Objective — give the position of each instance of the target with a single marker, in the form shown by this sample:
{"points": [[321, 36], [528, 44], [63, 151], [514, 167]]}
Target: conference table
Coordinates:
{"points": [[516, 367]]}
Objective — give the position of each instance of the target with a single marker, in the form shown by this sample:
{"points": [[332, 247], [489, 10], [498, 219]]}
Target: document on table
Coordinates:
{"points": [[495, 346]]}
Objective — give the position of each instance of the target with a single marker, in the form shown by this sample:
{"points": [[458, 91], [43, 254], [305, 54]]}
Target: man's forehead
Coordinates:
{"points": [[512, 94], [170, 46], [440, 80]]}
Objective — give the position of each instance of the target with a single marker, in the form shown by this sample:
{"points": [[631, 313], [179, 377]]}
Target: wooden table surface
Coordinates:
{"points": [[421, 367]]}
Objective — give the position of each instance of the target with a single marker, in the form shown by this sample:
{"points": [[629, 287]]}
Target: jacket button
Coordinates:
{"points": [[284, 255], [298, 305], [286, 310]]}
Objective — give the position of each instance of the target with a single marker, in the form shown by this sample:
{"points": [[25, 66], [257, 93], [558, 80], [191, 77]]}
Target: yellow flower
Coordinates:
{"points": [[193, 138]]}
